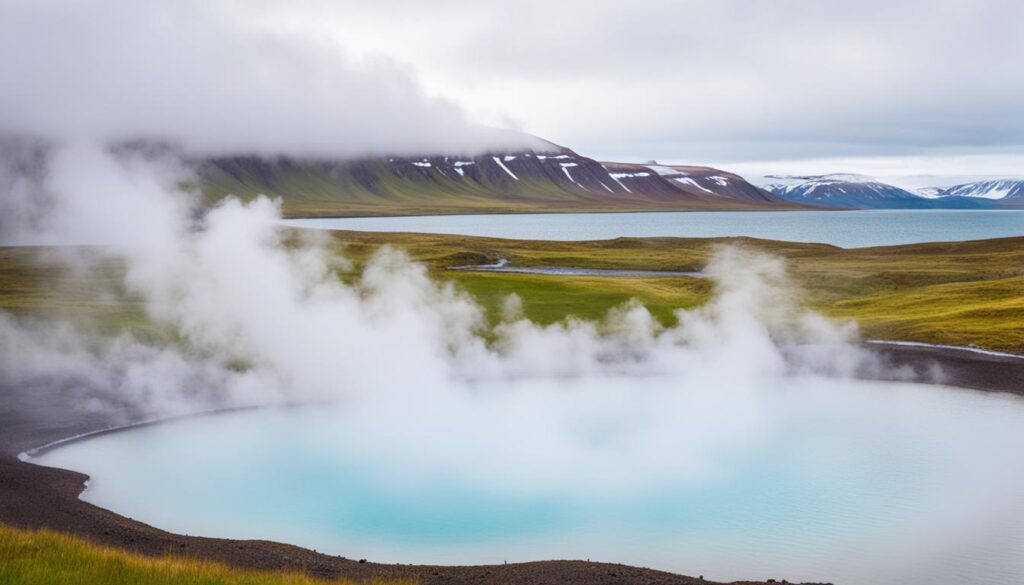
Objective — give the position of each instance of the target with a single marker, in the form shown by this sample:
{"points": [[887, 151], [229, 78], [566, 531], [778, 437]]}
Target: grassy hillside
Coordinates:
{"points": [[968, 293], [523, 182], [42, 557]]}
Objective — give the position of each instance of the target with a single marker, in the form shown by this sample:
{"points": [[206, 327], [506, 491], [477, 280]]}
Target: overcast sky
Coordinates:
{"points": [[793, 86]]}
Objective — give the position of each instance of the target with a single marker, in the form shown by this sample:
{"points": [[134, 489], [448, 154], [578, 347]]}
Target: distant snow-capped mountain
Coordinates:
{"points": [[861, 192], [843, 190], [998, 189]]}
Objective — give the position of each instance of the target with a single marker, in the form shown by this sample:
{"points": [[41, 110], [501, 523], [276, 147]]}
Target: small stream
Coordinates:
{"points": [[503, 265]]}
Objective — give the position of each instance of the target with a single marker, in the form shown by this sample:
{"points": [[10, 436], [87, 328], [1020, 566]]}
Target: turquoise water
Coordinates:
{"points": [[808, 480], [847, 229]]}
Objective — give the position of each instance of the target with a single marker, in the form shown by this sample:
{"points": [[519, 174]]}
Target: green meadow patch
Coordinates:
{"points": [[963, 293], [960, 293]]}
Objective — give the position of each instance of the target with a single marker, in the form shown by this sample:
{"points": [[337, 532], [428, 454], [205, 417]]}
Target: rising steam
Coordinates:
{"points": [[422, 391], [261, 322]]}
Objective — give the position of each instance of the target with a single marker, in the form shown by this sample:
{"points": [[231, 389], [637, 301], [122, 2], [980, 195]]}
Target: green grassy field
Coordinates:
{"points": [[967, 293], [40, 283], [42, 557], [964, 293]]}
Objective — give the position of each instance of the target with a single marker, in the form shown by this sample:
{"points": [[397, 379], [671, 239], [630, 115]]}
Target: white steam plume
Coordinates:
{"points": [[237, 295]]}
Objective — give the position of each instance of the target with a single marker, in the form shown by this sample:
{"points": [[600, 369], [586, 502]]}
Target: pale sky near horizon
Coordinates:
{"points": [[910, 90]]}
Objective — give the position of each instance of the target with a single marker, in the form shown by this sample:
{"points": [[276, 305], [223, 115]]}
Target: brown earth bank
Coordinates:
{"points": [[33, 496]]}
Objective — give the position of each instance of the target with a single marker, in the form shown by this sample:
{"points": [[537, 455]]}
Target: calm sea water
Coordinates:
{"points": [[855, 483], [847, 229]]}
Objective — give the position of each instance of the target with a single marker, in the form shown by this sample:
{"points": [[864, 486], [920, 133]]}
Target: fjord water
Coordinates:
{"points": [[849, 482], [846, 229]]}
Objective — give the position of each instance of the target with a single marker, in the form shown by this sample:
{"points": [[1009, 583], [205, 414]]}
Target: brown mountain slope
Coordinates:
{"points": [[526, 181]]}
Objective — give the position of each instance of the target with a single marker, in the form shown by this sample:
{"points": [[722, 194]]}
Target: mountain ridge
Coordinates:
{"points": [[863, 192], [558, 179], [843, 190], [1007, 192]]}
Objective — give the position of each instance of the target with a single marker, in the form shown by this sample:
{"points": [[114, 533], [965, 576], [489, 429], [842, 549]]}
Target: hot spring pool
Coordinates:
{"points": [[854, 483]]}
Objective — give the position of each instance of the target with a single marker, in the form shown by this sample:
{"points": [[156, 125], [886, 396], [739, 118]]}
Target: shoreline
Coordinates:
{"points": [[957, 348], [28, 454], [602, 232], [34, 496], [586, 210]]}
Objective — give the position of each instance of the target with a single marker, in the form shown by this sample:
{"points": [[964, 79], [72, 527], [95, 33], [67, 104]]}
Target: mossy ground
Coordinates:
{"points": [[965, 293]]}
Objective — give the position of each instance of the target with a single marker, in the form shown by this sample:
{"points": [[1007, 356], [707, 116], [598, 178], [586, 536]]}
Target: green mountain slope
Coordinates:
{"points": [[559, 180]]}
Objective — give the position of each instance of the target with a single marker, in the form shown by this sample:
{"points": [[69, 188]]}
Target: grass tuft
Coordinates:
{"points": [[39, 557]]}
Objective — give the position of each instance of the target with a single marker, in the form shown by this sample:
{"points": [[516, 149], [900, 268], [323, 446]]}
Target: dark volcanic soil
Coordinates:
{"points": [[32, 496]]}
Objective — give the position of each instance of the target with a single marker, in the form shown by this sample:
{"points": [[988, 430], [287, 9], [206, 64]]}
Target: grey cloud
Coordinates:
{"points": [[194, 74], [691, 80], [718, 79]]}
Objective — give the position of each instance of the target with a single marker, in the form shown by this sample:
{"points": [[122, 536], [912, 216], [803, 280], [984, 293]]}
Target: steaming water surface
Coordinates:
{"points": [[797, 479], [847, 229]]}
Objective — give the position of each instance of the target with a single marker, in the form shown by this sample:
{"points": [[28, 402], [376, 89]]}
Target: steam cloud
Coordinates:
{"points": [[237, 295], [261, 322], [421, 386]]}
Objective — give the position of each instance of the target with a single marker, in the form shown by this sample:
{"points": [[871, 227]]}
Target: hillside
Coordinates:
{"points": [[556, 180], [703, 182]]}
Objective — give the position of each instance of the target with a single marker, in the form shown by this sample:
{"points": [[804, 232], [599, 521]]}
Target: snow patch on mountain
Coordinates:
{"points": [[504, 168], [565, 169], [930, 192], [692, 183]]}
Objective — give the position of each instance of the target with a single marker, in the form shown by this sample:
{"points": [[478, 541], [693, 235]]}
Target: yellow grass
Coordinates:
{"points": [[30, 557]]}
